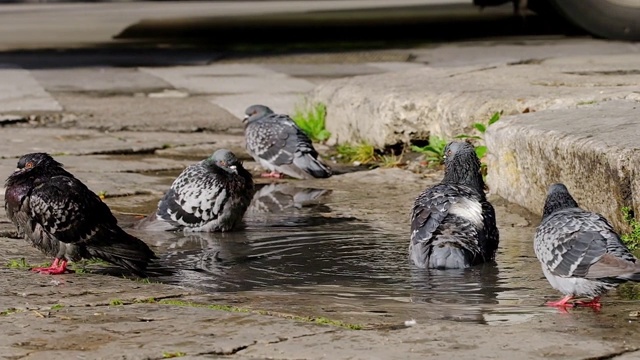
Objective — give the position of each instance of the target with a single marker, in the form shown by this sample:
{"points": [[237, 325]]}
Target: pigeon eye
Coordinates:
{"points": [[28, 165]]}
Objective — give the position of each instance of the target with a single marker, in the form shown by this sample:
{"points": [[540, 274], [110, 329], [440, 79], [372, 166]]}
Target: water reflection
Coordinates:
{"points": [[293, 242]]}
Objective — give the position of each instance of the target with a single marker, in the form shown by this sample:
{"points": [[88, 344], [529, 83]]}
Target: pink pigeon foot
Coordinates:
{"points": [[273, 174], [594, 303], [564, 302], [58, 267]]}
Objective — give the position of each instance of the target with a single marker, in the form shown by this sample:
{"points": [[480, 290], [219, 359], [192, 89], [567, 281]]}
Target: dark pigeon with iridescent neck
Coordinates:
{"points": [[60, 216], [208, 196], [280, 146], [580, 252], [453, 226]]}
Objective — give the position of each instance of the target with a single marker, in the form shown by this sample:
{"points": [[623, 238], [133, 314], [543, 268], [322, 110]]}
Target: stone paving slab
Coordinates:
{"points": [[593, 149], [84, 142], [483, 52], [146, 112], [229, 79], [397, 107], [280, 103], [19, 91], [86, 323], [98, 79]]}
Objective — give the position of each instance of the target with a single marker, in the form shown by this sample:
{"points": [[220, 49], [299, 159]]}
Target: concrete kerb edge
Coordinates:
{"points": [[523, 161]]}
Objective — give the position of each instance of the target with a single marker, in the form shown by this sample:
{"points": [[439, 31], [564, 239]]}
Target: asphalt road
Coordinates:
{"points": [[242, 24]]}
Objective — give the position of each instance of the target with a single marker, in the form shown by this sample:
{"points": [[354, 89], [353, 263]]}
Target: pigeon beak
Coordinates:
{"points": [[245, 118], [233, 168]]}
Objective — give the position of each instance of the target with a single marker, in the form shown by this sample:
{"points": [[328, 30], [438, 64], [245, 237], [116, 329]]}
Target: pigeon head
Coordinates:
{"points": [[462, 166], [558, 198], [32, 161], [226, 160], [255, 112], [32, 164]]}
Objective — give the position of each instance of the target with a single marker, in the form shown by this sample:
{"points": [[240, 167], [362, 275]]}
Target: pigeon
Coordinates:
{"points": [[580, 253], [279, 145], [60, 216], [453, 226], [209, 196]]}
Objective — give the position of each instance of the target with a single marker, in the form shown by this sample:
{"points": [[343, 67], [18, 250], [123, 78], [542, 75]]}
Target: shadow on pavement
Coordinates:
{"points": [[201, 40]]}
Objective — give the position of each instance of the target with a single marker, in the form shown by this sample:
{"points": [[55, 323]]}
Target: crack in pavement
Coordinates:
{"points": [[613, 355], [240, 348]]}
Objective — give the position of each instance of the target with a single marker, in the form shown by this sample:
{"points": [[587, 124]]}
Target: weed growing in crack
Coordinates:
{"points": [[632, 239], [168, 355], [102, 194], [22, 263], [434, 151], [316, 320], [57, 306], [312, 122], [8, 311], [115, 302], [360, 154]]}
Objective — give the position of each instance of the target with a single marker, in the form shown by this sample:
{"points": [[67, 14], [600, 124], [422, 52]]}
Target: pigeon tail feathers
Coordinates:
{"points": [[450, 256], [312, 166], [124, 250]]}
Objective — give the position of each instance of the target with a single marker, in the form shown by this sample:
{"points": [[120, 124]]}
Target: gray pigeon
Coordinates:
{"points": [[280, 146], [211, 195], [580, 253], [60, 216], [453, 226]]}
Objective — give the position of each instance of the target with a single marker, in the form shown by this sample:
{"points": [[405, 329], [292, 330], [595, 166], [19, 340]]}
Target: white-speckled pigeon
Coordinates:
{"points": [[280, 146], [453, 225], [211, 195], [580, 253], [60, 216]]}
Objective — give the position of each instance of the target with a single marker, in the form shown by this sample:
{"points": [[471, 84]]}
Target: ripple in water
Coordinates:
{"points": [[292, 243]]}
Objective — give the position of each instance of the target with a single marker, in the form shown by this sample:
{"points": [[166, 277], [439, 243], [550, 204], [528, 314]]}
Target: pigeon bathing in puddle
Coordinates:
{"points": [[453, 226], [60, 216], [580, 253], [280, 146], [209, 196]]}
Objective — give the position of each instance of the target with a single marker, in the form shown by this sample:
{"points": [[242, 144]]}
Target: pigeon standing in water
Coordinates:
{"points": [[279, 145], [60, 216], [208, 196], [580, 253], [453, 226]]}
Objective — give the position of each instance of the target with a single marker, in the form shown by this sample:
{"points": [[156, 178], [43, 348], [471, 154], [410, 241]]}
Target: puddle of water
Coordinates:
{"points": [[294, 243]]}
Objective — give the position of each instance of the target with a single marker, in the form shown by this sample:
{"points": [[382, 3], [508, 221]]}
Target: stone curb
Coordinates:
{"points": [[398, 107], [593, 150]]}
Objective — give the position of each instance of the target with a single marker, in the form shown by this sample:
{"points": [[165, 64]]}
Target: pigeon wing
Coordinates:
{"points": [[274, 138], [429, 210], [577, 243], [67, 210]]}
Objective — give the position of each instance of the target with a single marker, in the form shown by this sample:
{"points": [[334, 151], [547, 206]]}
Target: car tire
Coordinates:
{"points": [[612, 19]]}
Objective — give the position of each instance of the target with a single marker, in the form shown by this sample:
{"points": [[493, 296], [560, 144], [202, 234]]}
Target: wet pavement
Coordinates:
{"points": [[317, 258], [333, 250]]}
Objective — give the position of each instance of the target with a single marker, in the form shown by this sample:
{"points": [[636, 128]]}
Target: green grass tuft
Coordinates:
{"points": [[115, 302], [22, 263], [312, 122], [363, 153], [629, 291], [57, 306], [434, 152], [632, 239], [18, 264]]}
